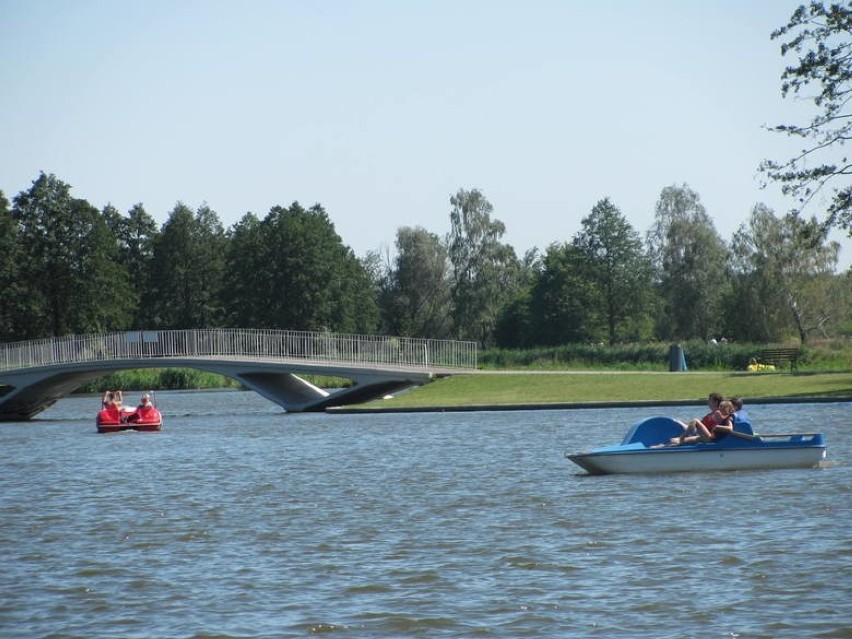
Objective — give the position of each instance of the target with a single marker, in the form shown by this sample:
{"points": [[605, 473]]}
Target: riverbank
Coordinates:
{"points": [[523, 390]]}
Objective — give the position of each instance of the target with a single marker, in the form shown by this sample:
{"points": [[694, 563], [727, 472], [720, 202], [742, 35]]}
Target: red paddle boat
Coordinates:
{"points": [[112, 418]]}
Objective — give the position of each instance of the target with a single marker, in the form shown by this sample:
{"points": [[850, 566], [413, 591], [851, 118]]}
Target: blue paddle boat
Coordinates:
{"points": [[642, 451]]}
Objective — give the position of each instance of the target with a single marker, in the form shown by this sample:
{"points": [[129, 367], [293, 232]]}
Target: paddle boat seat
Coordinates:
{"points": [[743, 426], [653, 430]]}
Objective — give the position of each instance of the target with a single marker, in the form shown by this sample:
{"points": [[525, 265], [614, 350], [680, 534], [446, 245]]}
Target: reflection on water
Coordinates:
{"points": [[240, 521]]}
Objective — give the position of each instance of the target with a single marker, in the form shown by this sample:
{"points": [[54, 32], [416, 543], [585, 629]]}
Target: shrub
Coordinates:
{"points": [[700, 355]]}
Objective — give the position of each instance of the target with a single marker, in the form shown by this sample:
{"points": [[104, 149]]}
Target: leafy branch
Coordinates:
{"points": [[821, 38]]}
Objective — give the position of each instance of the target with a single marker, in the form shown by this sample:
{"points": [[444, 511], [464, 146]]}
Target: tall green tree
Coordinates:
{"points": [[103, 298], [188, 268], [45, 228], [299, 274], [72, 279], [819, 34], [516, 327], [784, 281], [319, 283], [485, 271], [418, 298], [248, 268], [618, 269], [113, 224], [12, 290], [689, 260], [564, 303], [137, 235]]}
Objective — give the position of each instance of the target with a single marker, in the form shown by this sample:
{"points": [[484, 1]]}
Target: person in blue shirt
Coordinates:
{"points": [[739, 414]]}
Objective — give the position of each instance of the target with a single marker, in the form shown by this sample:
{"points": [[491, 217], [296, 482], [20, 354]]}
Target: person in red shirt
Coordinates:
{"points": [[714, 426], [703, 429]]}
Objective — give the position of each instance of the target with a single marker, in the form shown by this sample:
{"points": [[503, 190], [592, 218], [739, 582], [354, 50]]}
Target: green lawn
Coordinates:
{"points": [[500, 388]]}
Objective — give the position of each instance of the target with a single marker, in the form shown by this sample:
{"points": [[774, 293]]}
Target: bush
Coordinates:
{"points": [[700, 355]]}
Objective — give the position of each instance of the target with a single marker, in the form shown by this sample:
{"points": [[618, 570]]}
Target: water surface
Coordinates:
{"points": [[240, 521]]}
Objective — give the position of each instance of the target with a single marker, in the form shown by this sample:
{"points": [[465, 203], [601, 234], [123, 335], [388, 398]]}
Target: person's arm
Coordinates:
{"points": [[726, 425]]}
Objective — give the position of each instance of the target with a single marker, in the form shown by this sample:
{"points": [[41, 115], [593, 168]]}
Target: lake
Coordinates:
{"points": [[239, 521]]}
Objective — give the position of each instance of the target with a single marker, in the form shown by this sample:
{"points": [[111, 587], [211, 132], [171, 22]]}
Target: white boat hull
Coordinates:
{"points": [[691, 460]]}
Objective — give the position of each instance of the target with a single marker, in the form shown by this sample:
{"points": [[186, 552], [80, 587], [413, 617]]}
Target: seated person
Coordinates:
{"points": [[142, 409], [112, 399], [713, 401], [739, 414], [712, 427]]}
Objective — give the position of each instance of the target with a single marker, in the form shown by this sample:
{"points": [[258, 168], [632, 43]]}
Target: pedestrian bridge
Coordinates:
{"points": [[34, 374]]}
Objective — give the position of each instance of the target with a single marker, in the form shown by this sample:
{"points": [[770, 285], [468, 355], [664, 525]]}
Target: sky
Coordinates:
{"points": [[381, 110]]}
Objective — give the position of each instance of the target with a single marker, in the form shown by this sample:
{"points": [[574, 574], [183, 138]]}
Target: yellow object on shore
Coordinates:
{"points": [[753, 368]]}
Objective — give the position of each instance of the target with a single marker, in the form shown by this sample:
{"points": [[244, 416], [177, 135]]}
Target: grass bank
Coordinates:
{"points": [[503, 389]]}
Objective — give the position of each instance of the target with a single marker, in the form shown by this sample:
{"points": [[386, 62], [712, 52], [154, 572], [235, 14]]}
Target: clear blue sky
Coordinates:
{"points": [[381, 110]]}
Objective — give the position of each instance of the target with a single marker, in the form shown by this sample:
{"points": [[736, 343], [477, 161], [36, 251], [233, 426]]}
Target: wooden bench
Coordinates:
{"points": [[779, 357]]}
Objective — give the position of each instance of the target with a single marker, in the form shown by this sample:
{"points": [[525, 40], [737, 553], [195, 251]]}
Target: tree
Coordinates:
{"points": [[564, 303], [820, 35], [418, 298], [616, 265], [44, 227], [11, 285], [68, 268], [188, 268], [102, 297], [485, 271], [317, 281], [292, 271], [689, 261], [783, 282], [137, 235], [515, 325], [246, 271]]}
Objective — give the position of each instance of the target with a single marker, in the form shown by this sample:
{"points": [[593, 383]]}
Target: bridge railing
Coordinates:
{"points": [[309, 346]]}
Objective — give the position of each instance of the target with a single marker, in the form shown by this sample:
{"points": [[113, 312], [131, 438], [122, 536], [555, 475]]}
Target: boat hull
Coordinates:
{"points": [[690, 460], [113, 421]]}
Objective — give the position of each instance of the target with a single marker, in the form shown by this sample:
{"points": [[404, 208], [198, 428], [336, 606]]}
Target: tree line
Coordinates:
{"points": [[67, 267]]}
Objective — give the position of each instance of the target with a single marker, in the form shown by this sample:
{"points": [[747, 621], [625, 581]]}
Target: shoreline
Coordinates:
{"points": [[468, 408]]}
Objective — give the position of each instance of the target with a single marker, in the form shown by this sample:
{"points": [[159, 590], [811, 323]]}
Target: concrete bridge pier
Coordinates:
{"points": [[295, 394]]}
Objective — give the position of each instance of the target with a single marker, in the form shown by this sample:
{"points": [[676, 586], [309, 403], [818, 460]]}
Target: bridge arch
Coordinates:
{"points": [[34, 374]]}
